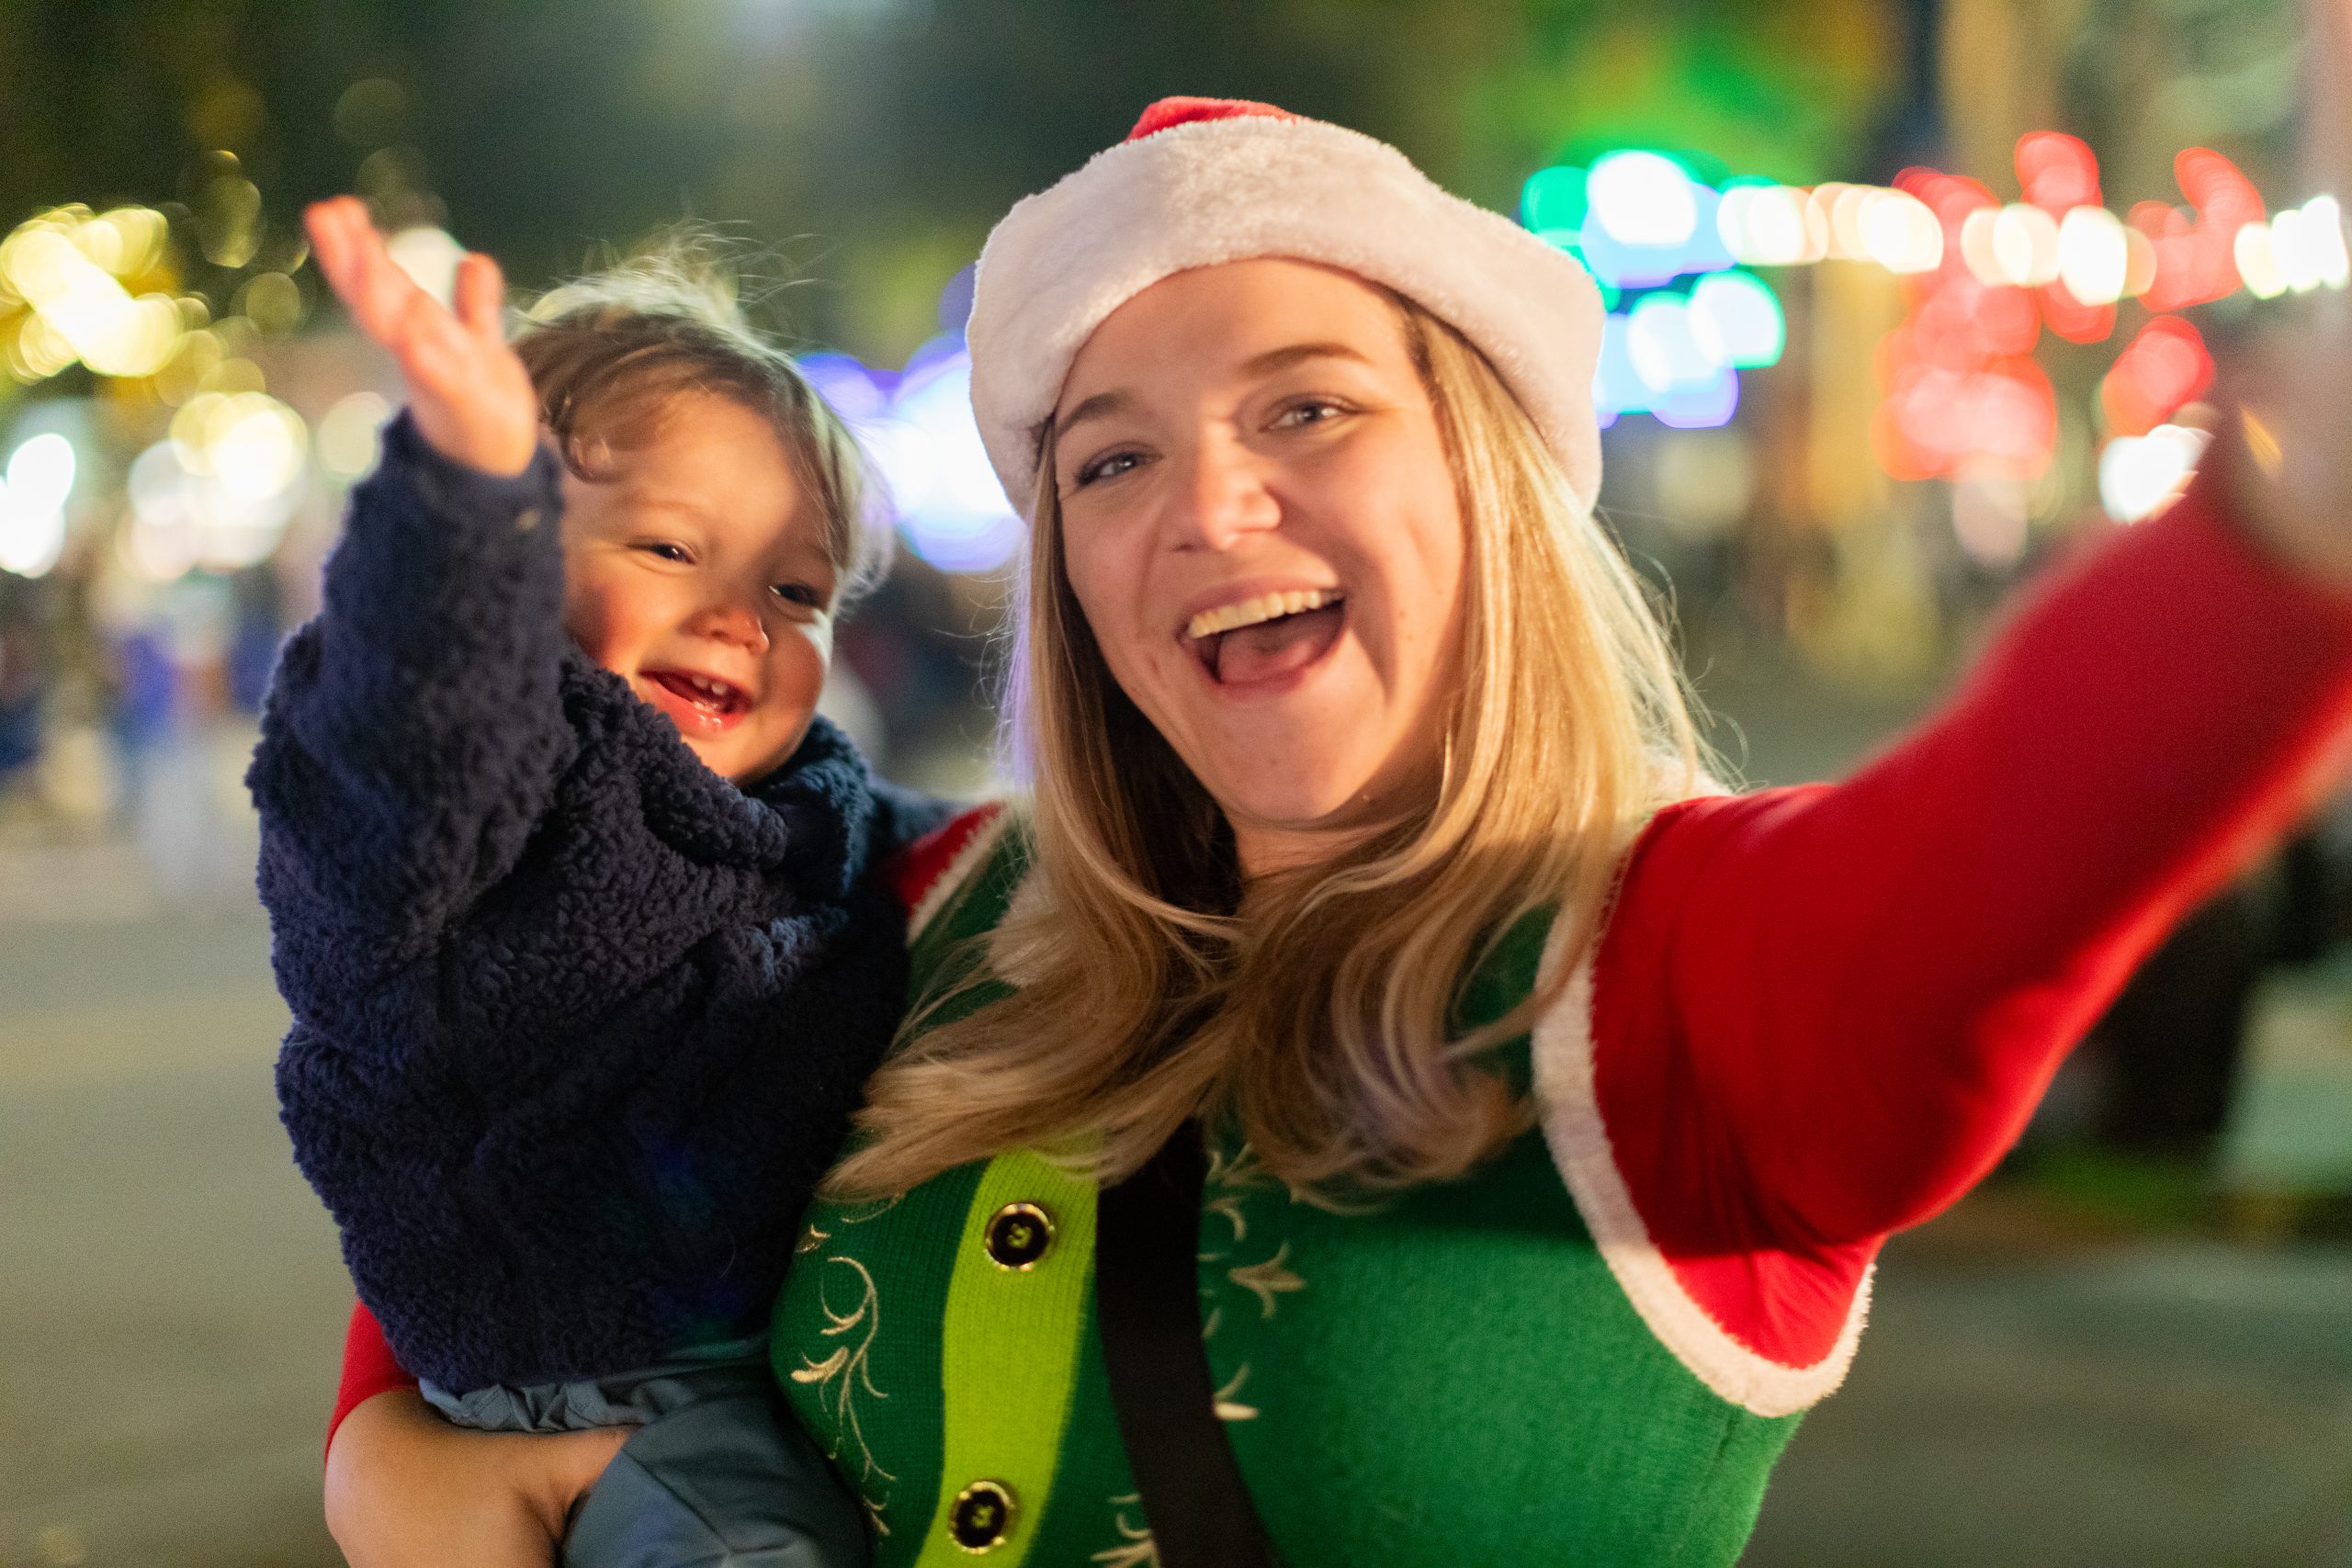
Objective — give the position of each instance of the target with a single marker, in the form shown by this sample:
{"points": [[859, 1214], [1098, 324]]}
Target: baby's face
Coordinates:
{"points": [[696, 570]]}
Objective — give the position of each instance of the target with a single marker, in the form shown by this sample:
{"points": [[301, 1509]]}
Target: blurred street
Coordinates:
{"points": [[170, 1296], [2029, 1392]]}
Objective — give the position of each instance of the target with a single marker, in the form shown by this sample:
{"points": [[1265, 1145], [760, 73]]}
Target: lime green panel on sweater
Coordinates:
{"points": [[1011, 1347]]}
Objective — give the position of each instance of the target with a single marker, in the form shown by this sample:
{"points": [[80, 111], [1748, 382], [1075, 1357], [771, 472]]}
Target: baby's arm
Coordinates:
{"points": [[415, 733]]}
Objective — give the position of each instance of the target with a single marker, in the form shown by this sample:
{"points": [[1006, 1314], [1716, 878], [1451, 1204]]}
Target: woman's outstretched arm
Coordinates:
{"points": [[1907, 950], [1823, 1013]]}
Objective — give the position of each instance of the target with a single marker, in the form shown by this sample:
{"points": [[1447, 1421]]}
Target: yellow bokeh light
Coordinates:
{"points": [[249, 441], [181, 376], [142, 234], [40, 349], [228, 220], [272, 301], [351, 435], [234, 375], [63, 263]]}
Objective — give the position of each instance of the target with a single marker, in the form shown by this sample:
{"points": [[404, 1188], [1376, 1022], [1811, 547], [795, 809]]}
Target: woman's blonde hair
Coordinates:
{"points": [[1317, 1010], [608, 353]]}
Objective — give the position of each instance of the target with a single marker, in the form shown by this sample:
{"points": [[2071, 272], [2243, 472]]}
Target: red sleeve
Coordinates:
{"points": [[1821, 1014], [369, 1368]]}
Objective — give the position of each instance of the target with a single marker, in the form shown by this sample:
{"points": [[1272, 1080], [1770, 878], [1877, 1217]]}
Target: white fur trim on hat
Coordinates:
{"points": [[1232, 189]]}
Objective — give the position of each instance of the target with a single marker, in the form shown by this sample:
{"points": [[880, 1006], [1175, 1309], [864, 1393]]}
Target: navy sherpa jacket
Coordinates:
{"points": [[578, 1024]]}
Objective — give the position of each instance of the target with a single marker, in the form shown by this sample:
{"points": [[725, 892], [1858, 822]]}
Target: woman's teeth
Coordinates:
{"points": [[1249, 612]]}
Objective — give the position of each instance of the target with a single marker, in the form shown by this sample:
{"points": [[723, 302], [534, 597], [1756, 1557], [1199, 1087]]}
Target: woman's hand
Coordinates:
{"points": [[405, 1489], [471, 397]]}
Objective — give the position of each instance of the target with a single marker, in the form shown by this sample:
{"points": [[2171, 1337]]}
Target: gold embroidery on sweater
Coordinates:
{"points": [[1228, 1399], [1137, 1548], [1267, 1280], [850, 1365]]}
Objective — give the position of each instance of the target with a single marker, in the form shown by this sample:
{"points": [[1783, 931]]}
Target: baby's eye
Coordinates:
{"points": [[666, 551], [800, 593]]}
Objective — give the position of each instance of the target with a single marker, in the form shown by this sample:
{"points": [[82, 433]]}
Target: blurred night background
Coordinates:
{"points": [[1906, 294]]}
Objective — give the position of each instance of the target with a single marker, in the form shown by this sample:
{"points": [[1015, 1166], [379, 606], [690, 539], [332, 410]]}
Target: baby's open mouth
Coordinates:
{"points": [[1266, 637], [702, 696]]}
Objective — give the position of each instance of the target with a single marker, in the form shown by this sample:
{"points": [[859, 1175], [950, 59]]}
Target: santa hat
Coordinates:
{"points": [[1201, 181]]}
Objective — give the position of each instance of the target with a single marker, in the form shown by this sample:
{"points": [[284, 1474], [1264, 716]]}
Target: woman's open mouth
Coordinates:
{"points": [[1262, 640], [698, 704]]}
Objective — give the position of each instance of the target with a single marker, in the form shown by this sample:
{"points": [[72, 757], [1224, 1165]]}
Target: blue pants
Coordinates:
{"points": [[714, 1476]]}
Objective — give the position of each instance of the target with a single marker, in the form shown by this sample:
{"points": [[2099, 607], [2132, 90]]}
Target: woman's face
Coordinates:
{"points": [[1260, 522]]}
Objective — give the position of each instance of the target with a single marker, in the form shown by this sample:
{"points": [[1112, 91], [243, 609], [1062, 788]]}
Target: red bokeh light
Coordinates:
{"points": [[2057, 171], [2166, 367]]}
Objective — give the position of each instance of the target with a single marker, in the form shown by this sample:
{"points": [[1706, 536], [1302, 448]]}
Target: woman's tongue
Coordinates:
{"points": [[1275, 647]]}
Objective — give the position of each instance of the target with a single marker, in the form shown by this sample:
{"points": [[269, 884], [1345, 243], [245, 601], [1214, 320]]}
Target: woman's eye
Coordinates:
{"points": [[1313, 410], [666, 551], [1109, 465]]}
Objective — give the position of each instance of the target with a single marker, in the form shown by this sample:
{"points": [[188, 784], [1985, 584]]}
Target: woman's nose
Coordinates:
{"points": [[1222, 497]]}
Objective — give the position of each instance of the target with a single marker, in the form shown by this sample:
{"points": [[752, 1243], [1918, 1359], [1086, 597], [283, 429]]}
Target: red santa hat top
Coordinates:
{"points": [[1201, 181]]}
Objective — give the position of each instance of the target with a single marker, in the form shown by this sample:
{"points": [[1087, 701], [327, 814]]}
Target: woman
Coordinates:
{"points": [[1556, 1106]]}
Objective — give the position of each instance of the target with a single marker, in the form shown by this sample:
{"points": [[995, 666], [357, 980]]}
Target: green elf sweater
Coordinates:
{"points": [[1458, 1377]]}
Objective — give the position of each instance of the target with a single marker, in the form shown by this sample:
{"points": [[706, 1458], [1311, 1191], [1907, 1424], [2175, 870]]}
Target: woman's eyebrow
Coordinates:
{"points": [[1102, 404], [1275, 359]]}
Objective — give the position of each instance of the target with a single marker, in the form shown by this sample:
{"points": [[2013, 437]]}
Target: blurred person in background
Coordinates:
{"points": [[1376, 1101], [22, 685]]}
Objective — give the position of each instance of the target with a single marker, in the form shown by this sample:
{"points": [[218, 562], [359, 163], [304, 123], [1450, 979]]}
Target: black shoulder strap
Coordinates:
{"points": [[1147, 1293]]}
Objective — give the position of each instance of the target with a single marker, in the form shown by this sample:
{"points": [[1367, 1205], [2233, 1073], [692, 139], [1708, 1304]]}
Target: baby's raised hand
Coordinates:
{"points": [[471, 395]]}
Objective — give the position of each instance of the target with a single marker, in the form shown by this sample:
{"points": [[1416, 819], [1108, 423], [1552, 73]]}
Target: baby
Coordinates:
{"points": [[570, 886]]}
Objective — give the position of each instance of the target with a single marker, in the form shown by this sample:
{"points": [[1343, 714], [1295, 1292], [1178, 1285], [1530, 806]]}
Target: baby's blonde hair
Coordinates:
{"points": [[608, 353]]}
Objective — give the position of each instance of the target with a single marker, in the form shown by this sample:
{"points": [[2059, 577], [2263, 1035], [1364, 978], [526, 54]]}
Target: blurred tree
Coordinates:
{"points": [[894, 130]]}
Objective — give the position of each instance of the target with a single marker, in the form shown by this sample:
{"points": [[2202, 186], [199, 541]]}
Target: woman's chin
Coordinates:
{"points": [[1302, 822]]}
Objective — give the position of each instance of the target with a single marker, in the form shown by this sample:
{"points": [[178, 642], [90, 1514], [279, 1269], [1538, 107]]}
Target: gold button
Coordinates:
{"points": [[1018, 1235], [982, 1516]]}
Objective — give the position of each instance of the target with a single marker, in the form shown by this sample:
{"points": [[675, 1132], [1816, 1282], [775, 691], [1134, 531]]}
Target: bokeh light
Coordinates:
{"points": [[33, 493], [1643, 199], [916, 425], [218, 492], [2094, 256], [1738, 320], [430, 256], [351, 435], [2139, 476]]}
